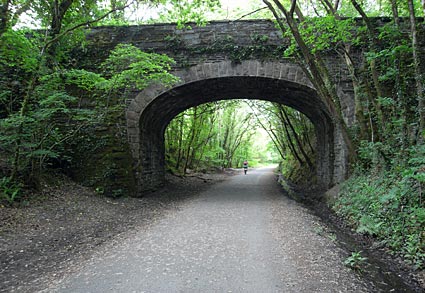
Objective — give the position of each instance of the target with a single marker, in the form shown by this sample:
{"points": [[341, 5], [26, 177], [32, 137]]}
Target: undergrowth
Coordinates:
{"points": [[389, 205], [9, 190]]}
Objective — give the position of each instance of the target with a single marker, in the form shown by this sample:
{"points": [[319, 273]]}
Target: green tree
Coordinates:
{"points": [[10, 12], [389, 109], [211, 135], [291, 133], [419, 76], [45, 101], [185, 12], [310, 59]]}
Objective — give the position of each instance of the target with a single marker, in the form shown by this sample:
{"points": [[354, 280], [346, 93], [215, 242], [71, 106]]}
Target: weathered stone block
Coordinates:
{"points": [[135, 106], [261, 71], [269, 69], [252, 68], [284, 70], [132, 115]]}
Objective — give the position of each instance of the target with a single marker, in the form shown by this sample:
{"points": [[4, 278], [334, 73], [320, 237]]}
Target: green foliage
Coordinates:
{"points": [[249, 9], [186, 12], [83, 79], [325, 33], [9, 190], [213, 135], [355, 261], [128, 66], [45, 103], [368, 225], [17, 51], [43, 131], [390, 206], [372, 154]]}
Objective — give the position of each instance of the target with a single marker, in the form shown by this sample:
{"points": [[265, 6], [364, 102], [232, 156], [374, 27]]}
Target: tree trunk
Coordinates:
{"points": [[359, 111], [291, 146], [9, 16], [203, 145], [306, 135], [418, 71], [319, 74], [180, 143], [27, 98], [374, 67], [399, 80], [371, 102], [189, 151], [58, 13], [25, 105], [4, 17], [394, 8], [300, 146], [273, 136]]}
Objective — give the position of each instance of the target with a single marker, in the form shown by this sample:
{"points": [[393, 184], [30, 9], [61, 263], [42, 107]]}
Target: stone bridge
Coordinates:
{"points": [[223, 60]]}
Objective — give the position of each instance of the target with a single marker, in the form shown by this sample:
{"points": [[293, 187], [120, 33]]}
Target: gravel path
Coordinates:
{"points": [[240, 235], [57, 230]]}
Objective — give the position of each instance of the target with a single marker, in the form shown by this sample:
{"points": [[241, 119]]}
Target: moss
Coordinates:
{"points": [[102, 160], [259, 48]]}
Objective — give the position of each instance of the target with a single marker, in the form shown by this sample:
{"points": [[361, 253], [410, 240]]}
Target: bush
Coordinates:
{"points": [[389, 206], [9, 190]]}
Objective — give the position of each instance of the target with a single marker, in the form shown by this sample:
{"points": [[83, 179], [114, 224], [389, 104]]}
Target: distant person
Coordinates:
{"points": [[245, 166]]}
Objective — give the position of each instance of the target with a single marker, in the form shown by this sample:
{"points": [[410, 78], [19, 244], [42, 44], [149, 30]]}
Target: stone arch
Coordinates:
{"points": [[149, 113]]}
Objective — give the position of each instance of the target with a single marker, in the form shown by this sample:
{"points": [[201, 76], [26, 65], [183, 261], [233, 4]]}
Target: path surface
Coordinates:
{"points": [[242, 235]]}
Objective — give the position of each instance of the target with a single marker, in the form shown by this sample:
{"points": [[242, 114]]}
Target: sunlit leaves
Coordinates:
{"points": [[219, 134], [325, 32], [188, 11], [128, 66], [83, 79], [17, 50]]}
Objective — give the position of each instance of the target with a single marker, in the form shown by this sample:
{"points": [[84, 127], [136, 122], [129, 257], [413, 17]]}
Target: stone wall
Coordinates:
{"points": [[210, 61]]}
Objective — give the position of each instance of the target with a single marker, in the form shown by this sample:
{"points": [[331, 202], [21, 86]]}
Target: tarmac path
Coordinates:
{"points": [[241, 235]]}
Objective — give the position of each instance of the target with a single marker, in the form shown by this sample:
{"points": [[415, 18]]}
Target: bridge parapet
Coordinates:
{"points": [[214, 42]]}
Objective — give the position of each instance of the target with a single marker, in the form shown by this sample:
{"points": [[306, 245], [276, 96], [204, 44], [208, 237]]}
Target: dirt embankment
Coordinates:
{"points": [[381, 263]]}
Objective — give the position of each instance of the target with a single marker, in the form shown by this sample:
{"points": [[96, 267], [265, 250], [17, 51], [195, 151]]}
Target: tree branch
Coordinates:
{"points": [[248, 14], [81, 25], [293, 6]]}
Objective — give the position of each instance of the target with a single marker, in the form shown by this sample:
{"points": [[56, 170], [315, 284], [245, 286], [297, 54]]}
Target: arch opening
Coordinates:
{"points": [[156, 115], [224, 134]]}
